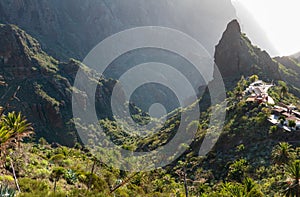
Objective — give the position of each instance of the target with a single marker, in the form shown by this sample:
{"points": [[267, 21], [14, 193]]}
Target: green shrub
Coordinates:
{"points": [[57, 159], [273, 129], [96, 182], [28, 185], [6, 178], [70, 177], [237, 170], [42, 173]]}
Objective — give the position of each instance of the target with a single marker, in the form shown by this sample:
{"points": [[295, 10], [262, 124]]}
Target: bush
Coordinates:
{"points": [[273, 129], [57, 159], [79, 192], [6, 178], [237, 170], [30, 185], [291, 123], [41, 173], [96, 182], [70, 177]]}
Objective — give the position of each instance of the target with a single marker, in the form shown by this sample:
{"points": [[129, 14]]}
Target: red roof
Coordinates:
{"points": [[286, 114], [292, 118]]}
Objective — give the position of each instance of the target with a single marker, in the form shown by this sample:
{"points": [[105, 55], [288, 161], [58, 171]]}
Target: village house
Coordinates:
{"points": [[258, 92], [282, 115]]}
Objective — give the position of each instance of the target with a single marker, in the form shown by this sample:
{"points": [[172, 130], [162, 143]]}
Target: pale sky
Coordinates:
{"points": [[280, 19]]}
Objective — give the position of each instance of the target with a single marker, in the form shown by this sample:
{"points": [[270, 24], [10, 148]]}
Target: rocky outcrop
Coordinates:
{"points": [[235, 56]]}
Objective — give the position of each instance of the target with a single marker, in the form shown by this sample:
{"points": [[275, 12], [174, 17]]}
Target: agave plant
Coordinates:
{"points": [[5, 191]]}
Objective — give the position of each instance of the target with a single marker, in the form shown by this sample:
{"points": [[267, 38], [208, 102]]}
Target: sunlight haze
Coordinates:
{"points": [[280, 21]]}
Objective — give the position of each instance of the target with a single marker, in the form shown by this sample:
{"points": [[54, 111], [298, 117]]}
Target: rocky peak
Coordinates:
{"points": [[236, 56], [233, 30]]}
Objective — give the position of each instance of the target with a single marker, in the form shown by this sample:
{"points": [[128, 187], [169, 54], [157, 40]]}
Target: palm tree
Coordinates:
{"points": [[232, 189], [13, 128], [17, 126], [5, 138], [246, 189], [282, 153], [283, 88], [293, 172]]}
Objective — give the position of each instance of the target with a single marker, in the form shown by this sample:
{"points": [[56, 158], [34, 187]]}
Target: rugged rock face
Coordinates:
{"points": [[236, 56], [45, 85], [71, 28]]}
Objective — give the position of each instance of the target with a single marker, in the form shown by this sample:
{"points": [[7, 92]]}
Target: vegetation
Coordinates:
{"points": [[248, 159]]}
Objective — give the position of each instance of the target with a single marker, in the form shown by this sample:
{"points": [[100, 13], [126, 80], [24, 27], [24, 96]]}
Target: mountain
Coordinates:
{"points": [[71, 28], [290, 72], [45, 85], [236, 56]]}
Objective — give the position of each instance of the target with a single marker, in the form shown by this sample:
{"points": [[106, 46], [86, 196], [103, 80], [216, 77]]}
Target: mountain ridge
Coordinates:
{"points": [[46, 83], [71, 28]]}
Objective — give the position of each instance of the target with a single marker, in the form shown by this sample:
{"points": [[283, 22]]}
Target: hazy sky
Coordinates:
{"points": [[280, 20]]}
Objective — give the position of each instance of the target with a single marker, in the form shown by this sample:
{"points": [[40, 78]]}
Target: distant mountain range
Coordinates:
{"points": [[46, 83], [71, 28]]}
